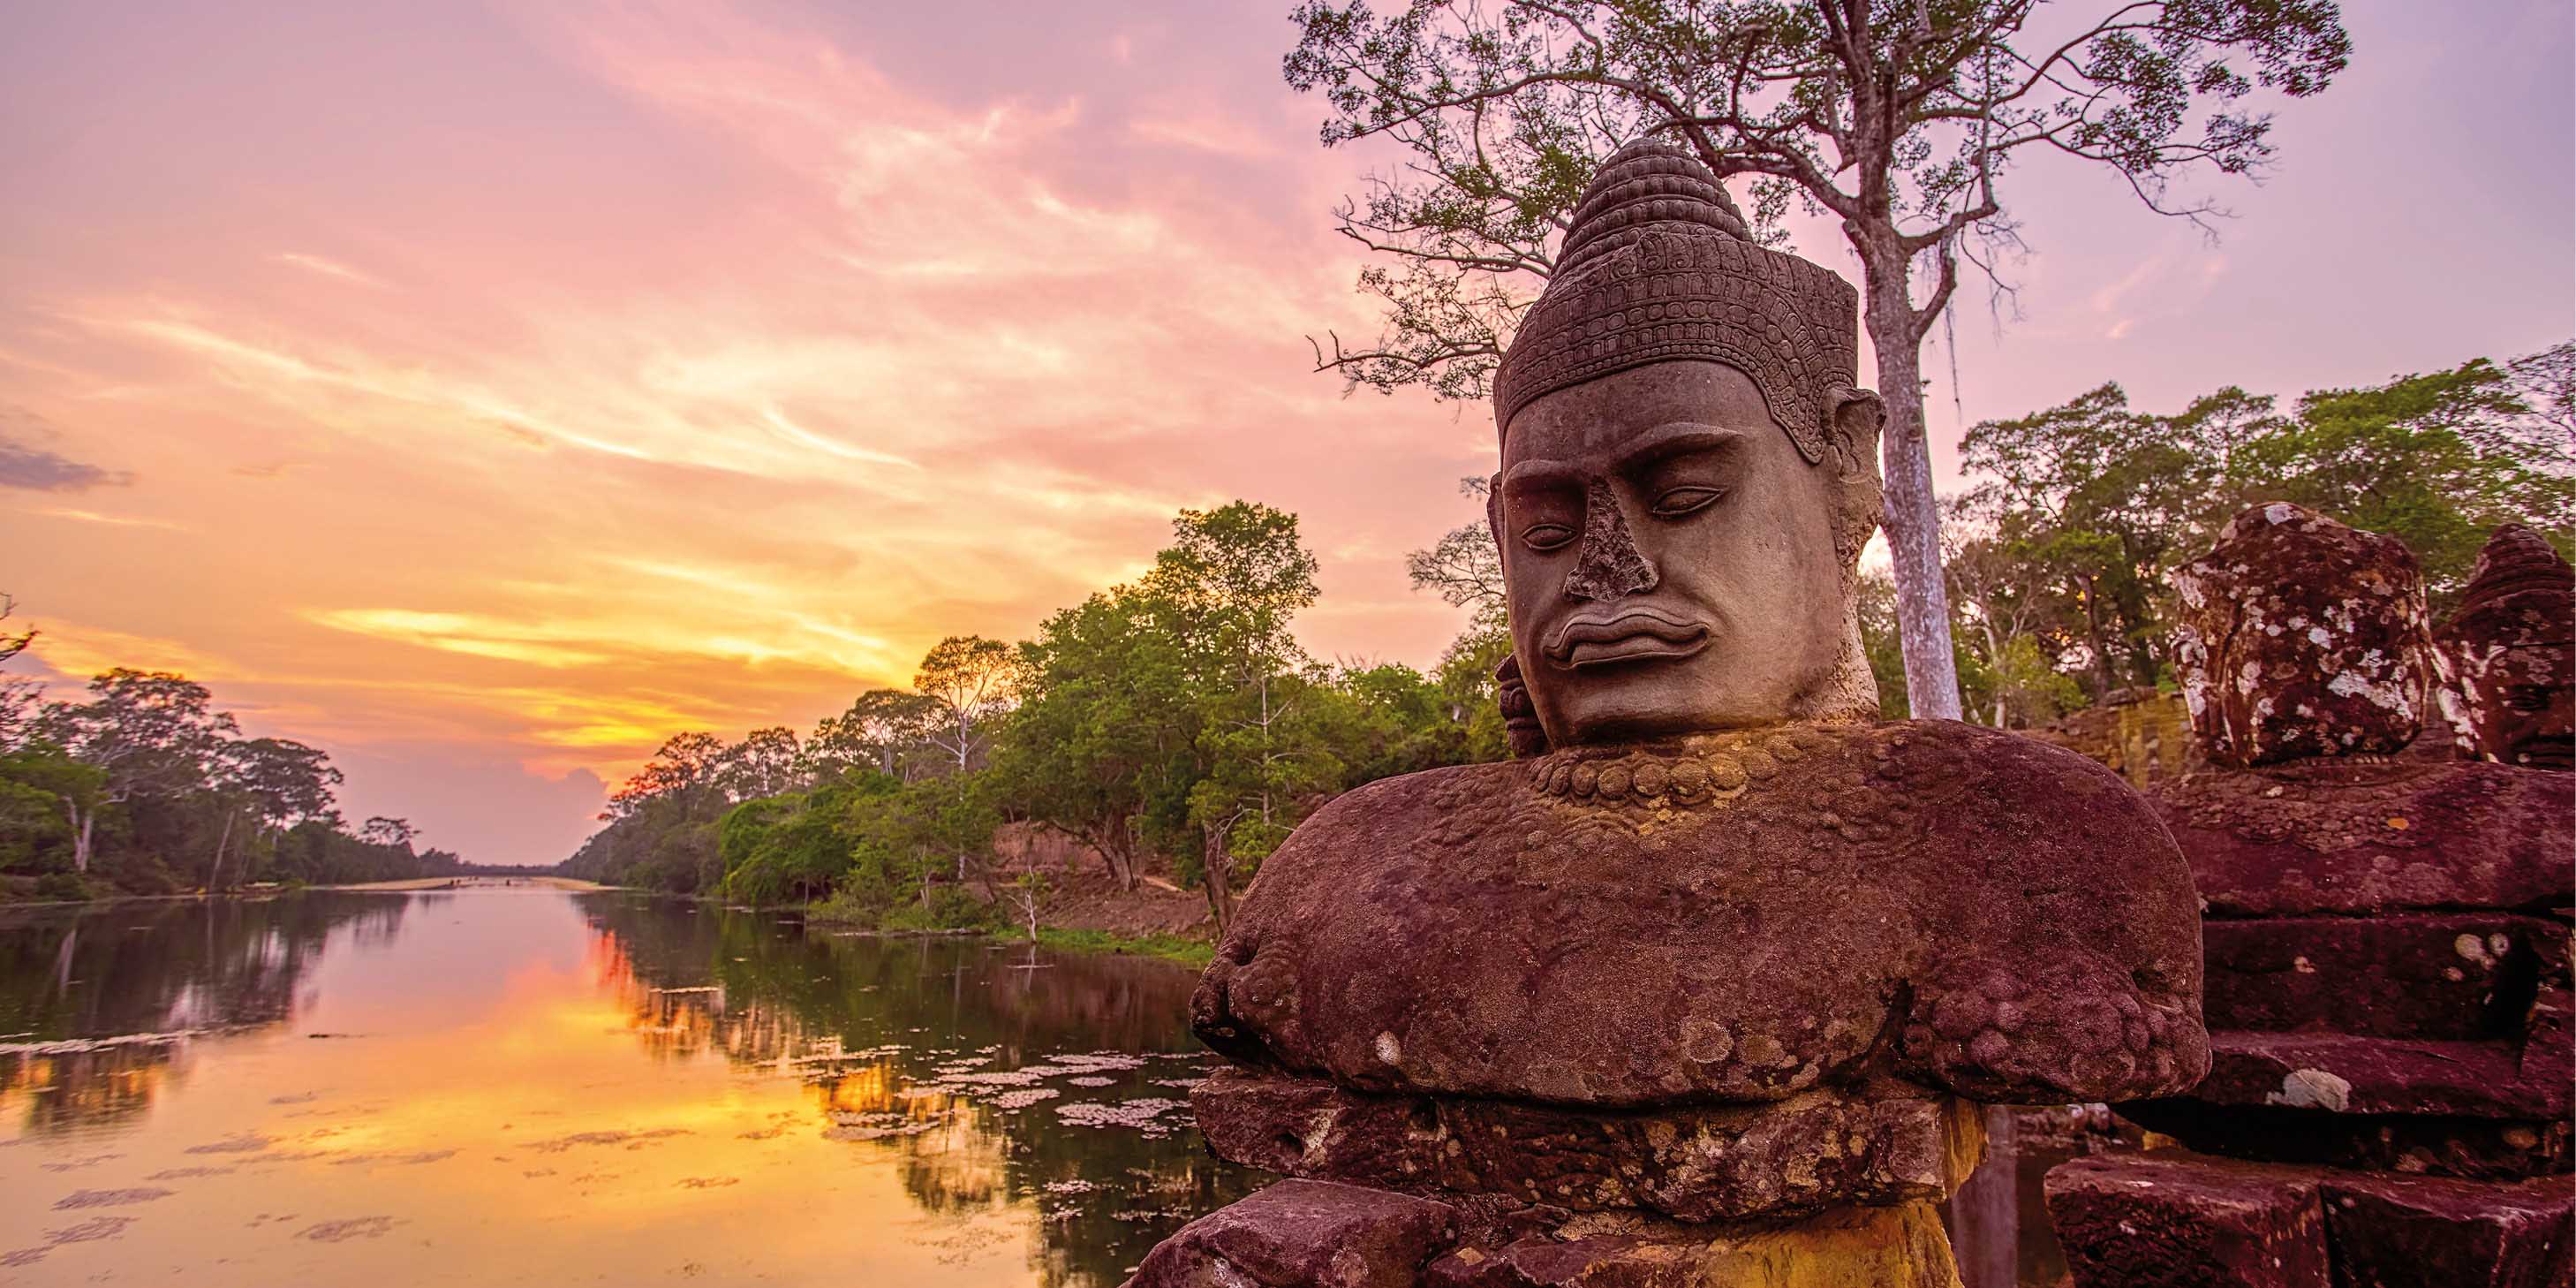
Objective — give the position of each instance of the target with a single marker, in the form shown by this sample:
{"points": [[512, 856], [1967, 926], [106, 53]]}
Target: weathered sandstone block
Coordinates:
{"points": [[1303, 1234], [2150, 1222], [1817, 1150], [2300, 636]]}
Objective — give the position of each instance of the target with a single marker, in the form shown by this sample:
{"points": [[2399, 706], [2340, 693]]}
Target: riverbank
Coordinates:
{"points": [[1085, 911], [1081, 912], [1193, 953], [473, 883]]}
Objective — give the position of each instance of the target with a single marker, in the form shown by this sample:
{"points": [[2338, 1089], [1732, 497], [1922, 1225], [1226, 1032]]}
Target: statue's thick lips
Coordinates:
{"points": [[1631, 635]]}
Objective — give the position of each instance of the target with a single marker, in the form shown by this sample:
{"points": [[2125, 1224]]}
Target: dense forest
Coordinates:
{"points": [[142, 787], [1174, 724]]}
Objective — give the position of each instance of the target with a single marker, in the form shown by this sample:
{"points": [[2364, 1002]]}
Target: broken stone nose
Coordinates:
{"points": [[1607, 565]]}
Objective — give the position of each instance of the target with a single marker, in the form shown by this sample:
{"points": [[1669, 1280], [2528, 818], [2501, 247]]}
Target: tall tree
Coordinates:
{"points": [[685, 769], [2101, 502], [149, 734], [766, 762], [1900, 118], [21, 697], [271, 783], [391, 833], [1235, 577], [973, 680], [880, 731], [1103, 728], [1466, 571]]}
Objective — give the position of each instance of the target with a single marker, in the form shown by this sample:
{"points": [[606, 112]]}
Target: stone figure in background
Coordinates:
{"points": [[1697, 995], [1520, 719], [2386, 984], [2302, 637], [2510, 650]]}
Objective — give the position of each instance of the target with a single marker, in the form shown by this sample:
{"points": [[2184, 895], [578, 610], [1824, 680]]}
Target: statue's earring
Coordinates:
{"points": [[1859, 416]]}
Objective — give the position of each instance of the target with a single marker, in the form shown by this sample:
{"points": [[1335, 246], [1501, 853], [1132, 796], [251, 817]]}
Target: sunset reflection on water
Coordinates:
{"points": [[522, 1085]]}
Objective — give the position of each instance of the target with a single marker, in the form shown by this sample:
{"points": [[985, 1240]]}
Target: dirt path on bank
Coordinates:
{"points": [[1091, 901]]}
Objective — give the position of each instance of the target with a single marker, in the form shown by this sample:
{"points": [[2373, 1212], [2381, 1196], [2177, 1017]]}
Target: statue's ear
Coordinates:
{"points": [[1494, 509], [1859, 415]]}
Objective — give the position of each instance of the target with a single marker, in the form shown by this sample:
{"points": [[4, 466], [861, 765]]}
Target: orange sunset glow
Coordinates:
{"points": [[488, 392]]}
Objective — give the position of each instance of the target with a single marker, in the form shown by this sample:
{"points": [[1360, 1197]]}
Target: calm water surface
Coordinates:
{"points": [[526, 1085]]}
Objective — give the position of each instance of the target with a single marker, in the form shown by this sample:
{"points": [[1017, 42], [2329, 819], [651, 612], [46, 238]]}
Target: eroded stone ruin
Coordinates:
{"points": [[2387, 983]]}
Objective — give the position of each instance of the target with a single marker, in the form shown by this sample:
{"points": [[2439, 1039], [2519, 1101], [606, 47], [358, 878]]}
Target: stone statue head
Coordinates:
{"points": [[1688, 471], [2510, 650], [2298, 636]]}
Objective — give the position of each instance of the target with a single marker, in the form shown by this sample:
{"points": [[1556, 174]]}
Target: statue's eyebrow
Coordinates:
{"points": [[1539, 474], [1677, 438], [1672, 438]]}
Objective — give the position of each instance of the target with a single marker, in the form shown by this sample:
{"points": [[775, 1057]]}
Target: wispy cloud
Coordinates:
{"points": [[330, 268], [111, 520]]}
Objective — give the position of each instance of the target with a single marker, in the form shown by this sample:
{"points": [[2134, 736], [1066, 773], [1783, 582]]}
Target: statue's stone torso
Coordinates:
{"points": [[1732, 918]]}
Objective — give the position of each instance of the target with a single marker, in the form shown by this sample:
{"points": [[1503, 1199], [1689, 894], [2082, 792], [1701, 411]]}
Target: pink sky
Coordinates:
{"points": [[485, 392]]}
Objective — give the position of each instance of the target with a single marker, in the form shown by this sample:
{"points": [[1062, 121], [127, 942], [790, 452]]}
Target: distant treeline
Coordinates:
{"points": [[145, 788], [1174, 723]]}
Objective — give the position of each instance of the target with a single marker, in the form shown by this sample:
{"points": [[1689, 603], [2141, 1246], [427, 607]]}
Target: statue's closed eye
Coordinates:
{"points": [[1546, 536], [1676, 502]]}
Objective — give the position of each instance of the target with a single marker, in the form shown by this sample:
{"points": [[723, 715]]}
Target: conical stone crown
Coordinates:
{"points": [[1657, 266]]}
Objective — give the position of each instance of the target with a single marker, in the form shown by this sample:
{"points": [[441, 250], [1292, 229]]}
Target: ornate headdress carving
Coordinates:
{"points": [[1657, 265], [2516, 562]]}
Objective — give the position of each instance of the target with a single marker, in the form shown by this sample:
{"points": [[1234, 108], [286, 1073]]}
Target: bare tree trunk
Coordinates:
{"points": [[1220, 889], [80, 836], [2103, 678], [214, 877], [1995, 662], [1913, 522], [1117, 853]]}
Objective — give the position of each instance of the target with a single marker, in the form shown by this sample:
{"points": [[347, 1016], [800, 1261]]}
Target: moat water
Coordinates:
{"points": [[527, 1085]]}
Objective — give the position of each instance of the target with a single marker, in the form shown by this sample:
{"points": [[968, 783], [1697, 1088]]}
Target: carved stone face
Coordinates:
{"points": [[1668, 556], [2523, 711]]}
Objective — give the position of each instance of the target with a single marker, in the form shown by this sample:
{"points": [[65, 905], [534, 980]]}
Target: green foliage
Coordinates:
{"points": [[1466, 571], [2436, 461], [1174, 718], [780, 848], [1193, 953], [64, 886], [1103, 725], [942, 908], [1876, 595]]}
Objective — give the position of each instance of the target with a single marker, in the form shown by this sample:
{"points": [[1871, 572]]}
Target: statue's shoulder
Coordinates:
{"points": [[2069, 965], [2011, 811], [1970, 788], [1399, 815]]}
